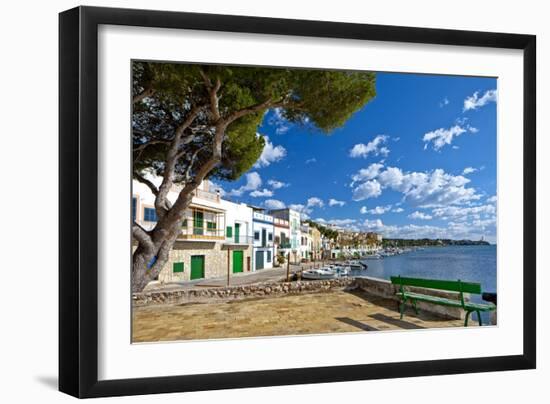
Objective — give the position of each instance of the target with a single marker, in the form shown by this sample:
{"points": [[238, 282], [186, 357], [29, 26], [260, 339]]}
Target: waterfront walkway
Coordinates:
{"points": [[318, 313], [244, 278]]}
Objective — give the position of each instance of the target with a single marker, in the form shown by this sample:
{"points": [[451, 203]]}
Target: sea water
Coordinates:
{"points": [[467, 263]]}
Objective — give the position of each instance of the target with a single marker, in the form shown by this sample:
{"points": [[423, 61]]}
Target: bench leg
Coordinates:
{"points": [[466, 319], [402, 308], [479, 318], [415, 308]]}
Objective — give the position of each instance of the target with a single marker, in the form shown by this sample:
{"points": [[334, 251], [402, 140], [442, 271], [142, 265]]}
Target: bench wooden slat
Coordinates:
{"points": [[441, 284]]}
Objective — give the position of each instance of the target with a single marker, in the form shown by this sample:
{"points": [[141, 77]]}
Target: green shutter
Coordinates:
{"points": [[229, 231], [177, 267]]}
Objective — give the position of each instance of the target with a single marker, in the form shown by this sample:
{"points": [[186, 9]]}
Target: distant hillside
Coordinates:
{"points": [[400, 242]]}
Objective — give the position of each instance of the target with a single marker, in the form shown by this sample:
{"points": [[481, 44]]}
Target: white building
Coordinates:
{"points": [[294, 239], [305, 242], [263, 233]]}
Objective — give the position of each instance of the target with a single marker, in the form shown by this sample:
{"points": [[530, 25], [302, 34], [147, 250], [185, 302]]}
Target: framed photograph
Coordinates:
{"points": [[252, 202]]}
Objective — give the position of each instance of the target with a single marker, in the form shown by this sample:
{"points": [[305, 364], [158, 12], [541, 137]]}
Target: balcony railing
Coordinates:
{"points": [[239, 240], [201, 233], [284, 245], [210, 196]]}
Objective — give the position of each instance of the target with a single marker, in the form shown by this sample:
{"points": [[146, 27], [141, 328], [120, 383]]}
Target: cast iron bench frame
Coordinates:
{"points": [[446, 285]]}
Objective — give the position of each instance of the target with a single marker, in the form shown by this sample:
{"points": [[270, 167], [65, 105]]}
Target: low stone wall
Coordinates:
{"points": [[271, 289], [372, 286], [384, 288]]}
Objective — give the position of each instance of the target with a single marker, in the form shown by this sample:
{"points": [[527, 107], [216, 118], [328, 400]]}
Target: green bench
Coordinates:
{"points": [[454, 286]]}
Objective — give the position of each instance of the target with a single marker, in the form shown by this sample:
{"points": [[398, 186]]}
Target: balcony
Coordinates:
{"points": [[203, 225], [239, 240]]}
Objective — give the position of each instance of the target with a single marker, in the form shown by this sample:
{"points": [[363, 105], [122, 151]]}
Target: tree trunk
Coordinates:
{"points": [[162, 239]]}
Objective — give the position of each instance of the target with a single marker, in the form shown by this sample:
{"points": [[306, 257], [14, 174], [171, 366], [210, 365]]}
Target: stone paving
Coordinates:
{"points": [[330, 312]]}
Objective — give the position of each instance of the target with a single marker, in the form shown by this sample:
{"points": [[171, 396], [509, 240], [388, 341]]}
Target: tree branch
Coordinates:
{"points": [[145, 181], [249, 110], [213, 94], [141, 235], [144, 94], [170, 163], [149, 143]]}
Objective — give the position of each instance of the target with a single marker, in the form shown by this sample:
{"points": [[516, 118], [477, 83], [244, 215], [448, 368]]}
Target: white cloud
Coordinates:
{"points": [[274, 204], [435, 188], [369, 189], [278, 120], [264, 193], [368, 173], [444, 102], [468, 230], [379, 210], [314, 201], [348, 224], [440, 137], [474, 101], [373, 147], [253, 182], [335, 202], [373, 225], [270, 154], [311, 160], [398, 210], [302, 209], [363, 210], [492, 199], [469, 170], [465, 213], [277, 184], [420, 216]]}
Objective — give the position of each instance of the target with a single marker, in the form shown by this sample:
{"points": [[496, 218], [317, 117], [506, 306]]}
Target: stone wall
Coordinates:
{"points": [[384, 288], [270, 289], [215, 260], [372, 286]]}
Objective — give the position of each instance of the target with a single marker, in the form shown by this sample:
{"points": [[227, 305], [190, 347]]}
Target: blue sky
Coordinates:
{"points": [[419, 160]]}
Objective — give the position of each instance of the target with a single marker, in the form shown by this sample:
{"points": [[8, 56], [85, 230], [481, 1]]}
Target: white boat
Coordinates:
{"points": [[356, 265], [321, 273]]}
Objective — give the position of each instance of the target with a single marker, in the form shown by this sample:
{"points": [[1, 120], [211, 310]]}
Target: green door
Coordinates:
{"points": [[197, 266], [237, 261], [237, 232]]}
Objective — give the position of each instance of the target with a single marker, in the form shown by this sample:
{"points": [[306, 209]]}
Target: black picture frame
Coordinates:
{"points": [[78, 201]]}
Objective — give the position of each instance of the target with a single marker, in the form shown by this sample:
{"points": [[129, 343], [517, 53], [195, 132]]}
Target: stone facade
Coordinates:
{"points": [[215, 260]]}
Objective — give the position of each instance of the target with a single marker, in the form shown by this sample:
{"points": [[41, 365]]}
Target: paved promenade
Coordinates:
{"points": [[318, 313], [244, 278]]}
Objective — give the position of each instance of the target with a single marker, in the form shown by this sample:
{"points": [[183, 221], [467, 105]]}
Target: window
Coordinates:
{"points": [[229, 232], [270, 236], [134, 207], [268, 256], [149, 215], [184, 223], [211, 226], [256, 235], [177, 267]]}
